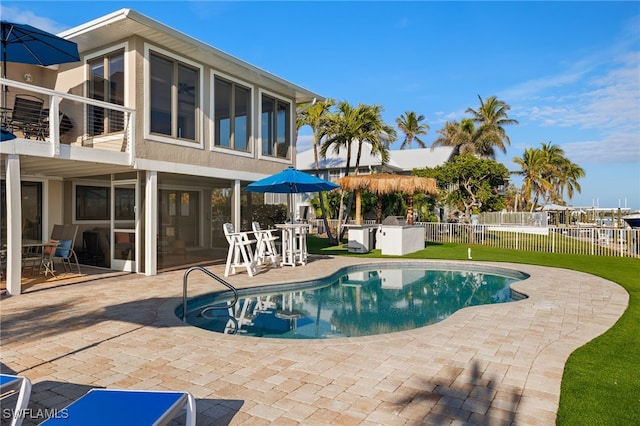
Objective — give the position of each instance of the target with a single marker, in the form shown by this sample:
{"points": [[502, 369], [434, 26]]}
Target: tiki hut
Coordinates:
{"points": [[384, 183]]}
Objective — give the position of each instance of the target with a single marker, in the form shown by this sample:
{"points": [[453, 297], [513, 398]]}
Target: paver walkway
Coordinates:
{"points": [[494, 364]]}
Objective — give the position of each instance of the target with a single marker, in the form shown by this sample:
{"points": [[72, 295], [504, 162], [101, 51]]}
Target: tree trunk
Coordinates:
{"points": [[410, 209], [350, 201], [323, 210], [358, 207]]}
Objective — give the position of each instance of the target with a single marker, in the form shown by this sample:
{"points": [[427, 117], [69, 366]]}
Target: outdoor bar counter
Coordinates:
{"points": [[361, 238], [397, 239]]}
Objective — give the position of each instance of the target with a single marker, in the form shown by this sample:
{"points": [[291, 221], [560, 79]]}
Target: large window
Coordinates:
{"points": [[174, 89], [276, 127], [94, 203], [232, 115], [106, 83]]}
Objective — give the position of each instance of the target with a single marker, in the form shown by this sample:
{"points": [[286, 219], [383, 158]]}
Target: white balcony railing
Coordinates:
{"points": [[69, 119]]}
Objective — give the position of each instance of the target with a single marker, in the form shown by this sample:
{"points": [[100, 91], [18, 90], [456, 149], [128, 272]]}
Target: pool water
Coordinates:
{"points": [[356, 301]]}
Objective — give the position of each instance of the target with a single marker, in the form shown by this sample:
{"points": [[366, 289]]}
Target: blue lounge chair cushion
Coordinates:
{"points": [[100, 407], [63, 248], [7, 380]]}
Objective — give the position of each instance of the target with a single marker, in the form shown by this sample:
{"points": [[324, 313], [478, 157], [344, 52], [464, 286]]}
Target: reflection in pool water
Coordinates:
{"points": [[358, 301]]}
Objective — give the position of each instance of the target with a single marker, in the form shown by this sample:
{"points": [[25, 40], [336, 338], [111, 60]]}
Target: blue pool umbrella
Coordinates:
{"points": [[29, 45], [291, 181]]}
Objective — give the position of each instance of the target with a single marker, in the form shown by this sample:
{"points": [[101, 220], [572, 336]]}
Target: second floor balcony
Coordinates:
{"points": [[49, 125]]}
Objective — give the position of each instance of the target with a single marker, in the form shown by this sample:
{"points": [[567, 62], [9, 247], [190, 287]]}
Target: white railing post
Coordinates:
{"points": [[54, 125]]}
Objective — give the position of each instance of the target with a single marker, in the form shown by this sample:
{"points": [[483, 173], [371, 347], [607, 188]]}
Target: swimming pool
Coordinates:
{"points": [[355, 301]]}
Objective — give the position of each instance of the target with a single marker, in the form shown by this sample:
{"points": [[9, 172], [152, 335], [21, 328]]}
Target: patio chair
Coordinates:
{"points": [[31, 258], [240, 254], [66, 237], [265, 245], [27, 117], [126, 407], [48, 255], [9, 385]]}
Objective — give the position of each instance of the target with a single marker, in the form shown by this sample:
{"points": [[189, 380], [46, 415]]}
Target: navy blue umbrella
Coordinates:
{"points": [[291, 181], [6, 135], [29, 45]]}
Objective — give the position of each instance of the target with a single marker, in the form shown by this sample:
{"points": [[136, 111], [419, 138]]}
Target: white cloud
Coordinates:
{"points": [[602, 98], [615, 148], [20, 16]]}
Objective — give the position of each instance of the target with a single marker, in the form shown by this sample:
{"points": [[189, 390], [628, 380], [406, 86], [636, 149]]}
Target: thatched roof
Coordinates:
{"points": [[384, 183]]}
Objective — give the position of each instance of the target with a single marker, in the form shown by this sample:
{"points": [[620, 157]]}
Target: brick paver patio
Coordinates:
{"points": [[494, 364]]}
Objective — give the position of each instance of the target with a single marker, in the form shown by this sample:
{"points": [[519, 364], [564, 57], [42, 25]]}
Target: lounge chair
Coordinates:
{"points": [[27, 116], [9, 385], [126, 407]]}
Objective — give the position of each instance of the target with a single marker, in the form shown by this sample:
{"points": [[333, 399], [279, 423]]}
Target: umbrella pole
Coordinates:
{"points": [[5, 89], [291, 208]]}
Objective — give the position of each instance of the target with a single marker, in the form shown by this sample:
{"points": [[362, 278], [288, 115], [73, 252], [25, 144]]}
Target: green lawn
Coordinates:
{"points": [[601, 383]]}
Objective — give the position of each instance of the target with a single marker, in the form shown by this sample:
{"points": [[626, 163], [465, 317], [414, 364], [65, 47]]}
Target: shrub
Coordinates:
{"points": [[267, 215]]}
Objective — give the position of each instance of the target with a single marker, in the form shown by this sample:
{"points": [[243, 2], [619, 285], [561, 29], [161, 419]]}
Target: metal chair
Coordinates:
{"points": [[66, 237], [27, 117]]}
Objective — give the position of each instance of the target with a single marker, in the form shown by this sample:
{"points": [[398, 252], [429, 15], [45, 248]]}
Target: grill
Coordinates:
{"points": [[394, 220]]}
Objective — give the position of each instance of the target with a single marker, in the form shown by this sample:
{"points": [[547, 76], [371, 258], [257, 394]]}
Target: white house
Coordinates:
{"points": [[150, 139], [401, 162]]}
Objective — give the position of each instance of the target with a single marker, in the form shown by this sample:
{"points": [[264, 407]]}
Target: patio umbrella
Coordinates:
{"points": [[29, 45], [6, 135], [291, 181]]}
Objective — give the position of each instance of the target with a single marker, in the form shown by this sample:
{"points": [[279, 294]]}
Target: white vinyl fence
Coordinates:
{"points": [[595, 241], [551, 239]]}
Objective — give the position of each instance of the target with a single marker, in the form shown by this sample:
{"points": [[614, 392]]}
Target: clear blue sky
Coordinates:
{"points": [[569, 70]]}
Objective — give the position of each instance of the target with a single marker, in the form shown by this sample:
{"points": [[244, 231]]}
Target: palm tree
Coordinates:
{"points": [[348, 125], [339, 130], [569, 181], [534, 169], [376, 133], [554, 161], [379, 136], [409, 124], [561, 173], [460, 135], [492, 117], [314, 116]]}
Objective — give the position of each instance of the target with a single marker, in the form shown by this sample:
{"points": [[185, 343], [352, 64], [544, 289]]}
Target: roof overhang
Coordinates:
{"points": [[126, 23]]}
